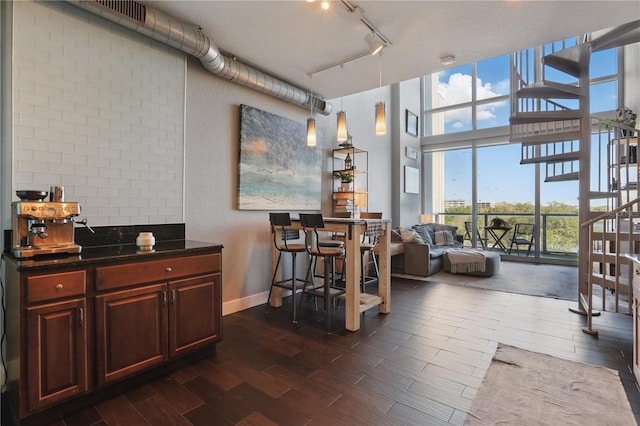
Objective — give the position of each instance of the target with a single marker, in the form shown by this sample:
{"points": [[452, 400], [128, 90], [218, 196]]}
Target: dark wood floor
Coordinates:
{"points": [[420, 365]]}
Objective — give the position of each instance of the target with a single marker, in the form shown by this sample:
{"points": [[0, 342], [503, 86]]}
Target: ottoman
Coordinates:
{"points": [[492, 264]]}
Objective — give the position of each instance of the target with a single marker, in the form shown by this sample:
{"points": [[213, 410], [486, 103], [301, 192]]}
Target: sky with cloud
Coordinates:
{"points": [[501, 177]]}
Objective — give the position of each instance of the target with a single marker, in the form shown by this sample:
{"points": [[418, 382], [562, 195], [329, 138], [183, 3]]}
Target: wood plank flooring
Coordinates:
{"points": [[419, 365]]}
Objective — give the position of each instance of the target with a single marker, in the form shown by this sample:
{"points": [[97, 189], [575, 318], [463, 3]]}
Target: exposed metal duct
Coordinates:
{"points": [[165, 29]]}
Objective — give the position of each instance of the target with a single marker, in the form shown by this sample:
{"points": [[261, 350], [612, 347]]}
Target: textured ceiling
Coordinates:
{"points": [[290, 39]]}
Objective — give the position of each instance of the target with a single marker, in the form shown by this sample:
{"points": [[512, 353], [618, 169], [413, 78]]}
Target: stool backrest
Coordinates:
{"points": [[280, 221], [370, 215], [370, 235], [311, 222]]}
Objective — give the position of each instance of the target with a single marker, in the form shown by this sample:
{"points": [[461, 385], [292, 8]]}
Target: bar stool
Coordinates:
{"points": [[281, 222], [310, 224], [367, 248]]}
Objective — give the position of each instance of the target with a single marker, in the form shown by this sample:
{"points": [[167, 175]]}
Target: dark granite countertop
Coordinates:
{"points": [[117, 243], [100, 254]]}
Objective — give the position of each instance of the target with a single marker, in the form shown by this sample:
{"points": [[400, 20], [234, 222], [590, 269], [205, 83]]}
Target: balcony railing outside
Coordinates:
{"points": [[550, 246]]}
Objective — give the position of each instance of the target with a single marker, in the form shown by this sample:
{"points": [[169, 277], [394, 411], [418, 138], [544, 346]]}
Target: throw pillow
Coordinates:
{"points": [[410, 236], [426, 233], [443, 227], [395, 236], [444, 238]]}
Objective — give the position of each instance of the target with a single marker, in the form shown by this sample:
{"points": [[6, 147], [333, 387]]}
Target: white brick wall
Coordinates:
{"points": [[99, 110]]}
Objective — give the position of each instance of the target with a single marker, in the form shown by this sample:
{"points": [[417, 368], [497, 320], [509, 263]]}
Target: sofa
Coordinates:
{"points": [[419, 250]]}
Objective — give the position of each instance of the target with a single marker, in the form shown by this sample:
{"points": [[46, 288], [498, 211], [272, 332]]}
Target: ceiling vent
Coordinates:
{"points": [[132, 9]]}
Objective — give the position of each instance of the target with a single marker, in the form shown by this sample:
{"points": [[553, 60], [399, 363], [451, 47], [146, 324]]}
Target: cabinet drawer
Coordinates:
{"points": [[56, 286], [109, 277]]}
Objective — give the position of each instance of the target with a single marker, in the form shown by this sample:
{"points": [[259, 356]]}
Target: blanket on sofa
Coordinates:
{"points": [[466, 260]]}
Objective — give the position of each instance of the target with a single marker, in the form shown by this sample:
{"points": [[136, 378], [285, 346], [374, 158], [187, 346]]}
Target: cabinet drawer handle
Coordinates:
{"points": [[173, 295], [164, 297], [81, 317], [59, 287], [169, 269]]}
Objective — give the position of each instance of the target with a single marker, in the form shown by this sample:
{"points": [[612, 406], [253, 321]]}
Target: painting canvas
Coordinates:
{"points": [[277, 170]]}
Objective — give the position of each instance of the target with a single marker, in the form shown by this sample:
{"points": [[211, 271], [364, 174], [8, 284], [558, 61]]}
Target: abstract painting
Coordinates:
{"points": [[277, 170]]}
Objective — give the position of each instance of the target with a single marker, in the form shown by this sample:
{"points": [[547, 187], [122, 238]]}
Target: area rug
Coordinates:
{"points": [[529, 388], [554, 281]]}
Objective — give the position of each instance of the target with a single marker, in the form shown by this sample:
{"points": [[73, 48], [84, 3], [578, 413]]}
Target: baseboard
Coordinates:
{"points": [[243, 303]]}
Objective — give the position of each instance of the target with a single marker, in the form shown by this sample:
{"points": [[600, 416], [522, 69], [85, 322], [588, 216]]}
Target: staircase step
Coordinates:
{"points": [[563, 177], [551, 90], [554, 158], [619, 36], [539, 138], [544, 116], [573, 60]]}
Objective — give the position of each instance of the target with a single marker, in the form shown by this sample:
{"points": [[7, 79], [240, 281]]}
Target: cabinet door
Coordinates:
{"points": [[194, 313], [131, 331], [56, 352]]}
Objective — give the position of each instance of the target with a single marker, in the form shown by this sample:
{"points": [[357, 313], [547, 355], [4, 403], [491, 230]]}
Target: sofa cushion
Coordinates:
{"points": [[436, 251], [444, 238], [426, 232], [395, 236], [442, 227], [410, 236]]}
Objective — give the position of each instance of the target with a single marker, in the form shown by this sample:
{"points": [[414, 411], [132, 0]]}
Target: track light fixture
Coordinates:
{"points": [[375, 43]]}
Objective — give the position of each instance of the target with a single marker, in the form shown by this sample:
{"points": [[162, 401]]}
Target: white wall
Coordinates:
{"points": [[211, 162], [407, 207], [99, 110], [211, 136]]}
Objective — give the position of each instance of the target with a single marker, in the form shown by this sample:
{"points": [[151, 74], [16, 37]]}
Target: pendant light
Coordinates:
{"points": [[342, 133], [342, 126], [381, 115], [311, 122]]}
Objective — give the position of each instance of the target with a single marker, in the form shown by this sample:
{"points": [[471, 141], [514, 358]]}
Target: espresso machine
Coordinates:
{"points": [[43, 227]]}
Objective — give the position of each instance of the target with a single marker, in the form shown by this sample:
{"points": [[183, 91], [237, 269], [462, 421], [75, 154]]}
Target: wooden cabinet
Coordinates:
{"points": [[73, 331], [130, 332], [56, 356], [139, 325], [189, 331], [350, 197]]}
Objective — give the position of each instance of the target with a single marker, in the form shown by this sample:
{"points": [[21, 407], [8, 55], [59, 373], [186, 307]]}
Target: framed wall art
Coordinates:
{"points": [[277, 170], [411, 123], [411, 180], [410, 153]]}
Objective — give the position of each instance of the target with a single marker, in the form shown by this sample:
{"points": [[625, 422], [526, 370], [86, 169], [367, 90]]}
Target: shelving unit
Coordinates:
{"points": [[354, 199]]}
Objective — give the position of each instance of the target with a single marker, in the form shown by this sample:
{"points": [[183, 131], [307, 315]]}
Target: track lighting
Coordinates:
{"points": [[375, 44]]}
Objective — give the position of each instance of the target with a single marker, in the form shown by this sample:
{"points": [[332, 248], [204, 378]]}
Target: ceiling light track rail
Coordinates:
{"points": [[375, 47], [351, 7]]}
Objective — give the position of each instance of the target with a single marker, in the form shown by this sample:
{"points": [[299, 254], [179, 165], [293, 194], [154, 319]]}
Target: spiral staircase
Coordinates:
{"points": [[550, 118]]}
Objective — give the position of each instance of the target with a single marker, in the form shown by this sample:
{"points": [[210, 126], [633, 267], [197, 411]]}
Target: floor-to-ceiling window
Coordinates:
{"points": [[466, 120]]}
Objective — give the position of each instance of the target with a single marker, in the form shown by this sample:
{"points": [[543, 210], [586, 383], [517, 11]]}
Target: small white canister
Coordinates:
{"points": [[145, 241]]}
